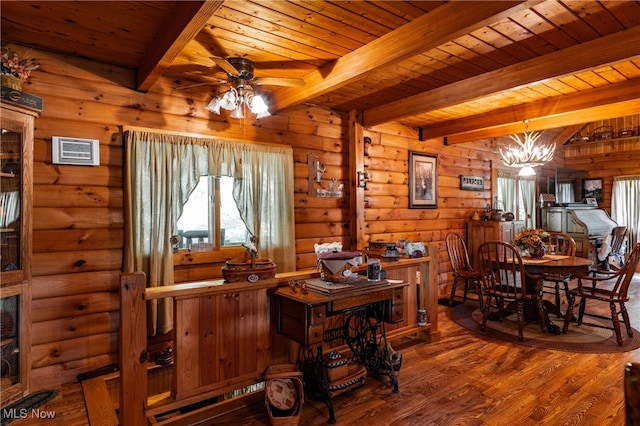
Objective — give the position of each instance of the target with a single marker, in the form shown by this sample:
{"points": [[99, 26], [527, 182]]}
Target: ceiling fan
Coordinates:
{"points": [[240, 72], [241, 92]]}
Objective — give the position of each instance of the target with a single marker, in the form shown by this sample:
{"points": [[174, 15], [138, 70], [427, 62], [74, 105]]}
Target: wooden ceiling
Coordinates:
{"points": [[461, 70]]}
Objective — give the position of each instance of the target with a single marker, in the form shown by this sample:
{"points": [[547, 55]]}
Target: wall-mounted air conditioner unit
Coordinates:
{"points": [[66, 150]]}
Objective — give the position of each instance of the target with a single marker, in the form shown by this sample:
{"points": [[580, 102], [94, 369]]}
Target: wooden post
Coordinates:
{"points": [[133, 349], [429, 292], [356, 194]]}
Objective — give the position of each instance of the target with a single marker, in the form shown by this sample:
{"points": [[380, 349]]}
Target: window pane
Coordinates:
{"points": [[194, 222], [232, 229], [198, 222]]}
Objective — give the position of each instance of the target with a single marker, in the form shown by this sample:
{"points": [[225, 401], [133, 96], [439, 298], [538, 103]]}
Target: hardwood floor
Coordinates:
{"points": [[464, 379]]}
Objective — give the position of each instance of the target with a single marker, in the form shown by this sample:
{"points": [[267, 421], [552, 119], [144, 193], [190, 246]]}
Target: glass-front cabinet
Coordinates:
{"points": [[16, 188]]}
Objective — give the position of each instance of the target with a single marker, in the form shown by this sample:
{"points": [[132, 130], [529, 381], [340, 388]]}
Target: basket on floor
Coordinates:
{"points": [[284, 394]]}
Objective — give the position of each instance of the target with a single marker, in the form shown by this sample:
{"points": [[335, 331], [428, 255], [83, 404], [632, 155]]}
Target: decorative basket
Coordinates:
{"points": [[626, 133], [6, 325], [11, 81], [336, 366], [5, 375], [236, 270], [602, 133], [337, 267], [284, 394]]}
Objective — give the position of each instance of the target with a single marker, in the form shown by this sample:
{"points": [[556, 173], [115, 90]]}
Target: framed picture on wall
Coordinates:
{"points": [[593, 188], [423, 180]]}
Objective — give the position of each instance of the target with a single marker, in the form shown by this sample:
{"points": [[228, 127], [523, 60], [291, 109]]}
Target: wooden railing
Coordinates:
{"points": [[225, 338]]}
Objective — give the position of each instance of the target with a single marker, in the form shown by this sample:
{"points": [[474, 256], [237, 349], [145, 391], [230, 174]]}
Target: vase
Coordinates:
{"points": [[537, 253], [11, 81]]}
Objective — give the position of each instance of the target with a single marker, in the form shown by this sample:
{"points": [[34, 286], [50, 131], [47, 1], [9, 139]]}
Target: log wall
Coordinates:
{"points": [[78, 210]]}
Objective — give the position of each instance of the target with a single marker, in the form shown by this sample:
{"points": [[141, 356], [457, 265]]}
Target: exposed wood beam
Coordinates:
{"points": [[580, 116], [420, 35], [189, 19], [600, 96], [566, 133], [586, 56]]}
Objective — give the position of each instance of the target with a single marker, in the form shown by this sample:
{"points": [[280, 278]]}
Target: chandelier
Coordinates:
{"points": [[236, 98], [527, 154]]}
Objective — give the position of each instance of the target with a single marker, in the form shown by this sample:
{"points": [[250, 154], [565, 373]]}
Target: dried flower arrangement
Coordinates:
{"points": [[531, 239], [13, 65]]}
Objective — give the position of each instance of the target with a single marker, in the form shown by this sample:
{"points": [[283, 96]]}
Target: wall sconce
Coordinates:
{"points": [[363, 178]]}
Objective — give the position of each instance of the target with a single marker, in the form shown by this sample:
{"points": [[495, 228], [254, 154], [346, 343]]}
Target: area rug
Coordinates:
{"points": [[23, 408], [583, 338]]}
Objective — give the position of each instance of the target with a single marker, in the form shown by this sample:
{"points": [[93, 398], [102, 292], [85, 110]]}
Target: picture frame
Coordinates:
{"points": [[592, 188], [423, 180]]}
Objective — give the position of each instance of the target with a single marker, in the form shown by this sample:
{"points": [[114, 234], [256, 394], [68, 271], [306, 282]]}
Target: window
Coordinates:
{"points": [[516, 194], [625, 205], [211, 215]]}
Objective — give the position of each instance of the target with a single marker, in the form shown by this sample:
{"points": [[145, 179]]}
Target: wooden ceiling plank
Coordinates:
{"points": [[627, 12], [566, 20], [428, 31], [295, 19], [306, 42], [187, 21], [293, 14], [597, 16], [594, 54], [598, 97], [546, 31]]}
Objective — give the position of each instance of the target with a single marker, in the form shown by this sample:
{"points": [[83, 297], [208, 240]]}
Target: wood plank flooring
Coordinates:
{"points": [[463, 379]]}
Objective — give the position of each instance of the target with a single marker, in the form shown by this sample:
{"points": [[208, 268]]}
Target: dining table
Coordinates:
{"points": [[565, 265]]}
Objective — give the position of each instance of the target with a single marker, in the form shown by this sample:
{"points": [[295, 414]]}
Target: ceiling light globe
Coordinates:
{"points": [[229, 99], [237, 112], [258, 106], [214, 105], [527, 171]]}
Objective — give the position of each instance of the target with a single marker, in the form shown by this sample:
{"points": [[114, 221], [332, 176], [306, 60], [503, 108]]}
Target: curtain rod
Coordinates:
{"points": [[200, 136]]}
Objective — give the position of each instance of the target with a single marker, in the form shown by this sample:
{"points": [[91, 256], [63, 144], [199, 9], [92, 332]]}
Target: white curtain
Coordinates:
{"points": [[161, 172], [528, 194], [625, 205], [507, 190], [565, 192], [265, 200]]}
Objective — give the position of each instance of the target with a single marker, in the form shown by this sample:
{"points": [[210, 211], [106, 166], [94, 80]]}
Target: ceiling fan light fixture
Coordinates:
{"points": [[234, 100], [527, 153], [229, 99], [214, 105], [237, 112], [258, 106]]}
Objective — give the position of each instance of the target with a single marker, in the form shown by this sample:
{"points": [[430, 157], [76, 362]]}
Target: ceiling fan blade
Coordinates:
{"points": [[225, 65], [189, 86], [279, 81]]}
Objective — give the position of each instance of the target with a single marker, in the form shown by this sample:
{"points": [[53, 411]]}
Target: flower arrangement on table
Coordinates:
{"points": [[532, 240], [12, 65]]}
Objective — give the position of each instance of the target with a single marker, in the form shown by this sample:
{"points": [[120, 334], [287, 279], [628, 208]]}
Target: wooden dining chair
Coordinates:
{"points": [[461, 266], [563, 244], [611, 289], [504, 281]]}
